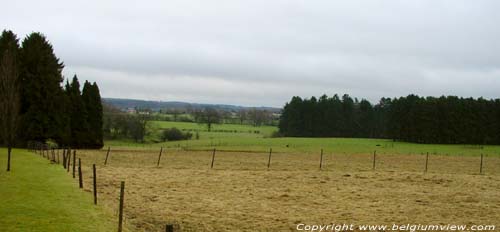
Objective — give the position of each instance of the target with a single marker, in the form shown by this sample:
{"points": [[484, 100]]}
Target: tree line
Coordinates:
{"points": [[69, 115], [136, 125], [249, 116], [120, 125], [445, 120]]}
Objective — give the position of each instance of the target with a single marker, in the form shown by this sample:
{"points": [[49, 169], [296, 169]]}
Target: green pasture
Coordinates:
{"points": [[236, 128], [244, 138], [39, 196]]}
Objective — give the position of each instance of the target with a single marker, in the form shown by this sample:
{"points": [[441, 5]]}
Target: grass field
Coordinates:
{"points": [[245, 139], [241, 194], [39, 196]]}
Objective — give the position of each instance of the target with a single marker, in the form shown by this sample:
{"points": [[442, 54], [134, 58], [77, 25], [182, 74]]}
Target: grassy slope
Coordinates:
{"points": [[38, 196], [246, 140]]}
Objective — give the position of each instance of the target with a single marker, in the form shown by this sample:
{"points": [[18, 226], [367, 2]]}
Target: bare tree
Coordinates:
{"points": [[9, 101], [242, 115], [259, 117], [208, 116]]}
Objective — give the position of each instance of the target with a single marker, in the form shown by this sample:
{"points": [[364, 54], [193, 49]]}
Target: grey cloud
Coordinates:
{"points": [[264, 52]]}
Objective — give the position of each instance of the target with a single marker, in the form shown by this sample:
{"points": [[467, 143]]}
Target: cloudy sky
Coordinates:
{"points": [[263, 52]]}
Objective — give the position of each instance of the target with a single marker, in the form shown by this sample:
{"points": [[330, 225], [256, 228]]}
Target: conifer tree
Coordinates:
{"points": [[78, 114], [41, 93], [92, 101], [9, 91]]}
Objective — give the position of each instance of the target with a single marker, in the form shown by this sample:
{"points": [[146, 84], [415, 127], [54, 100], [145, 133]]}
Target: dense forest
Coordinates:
{"points": [[446, 120], [47, 111]]}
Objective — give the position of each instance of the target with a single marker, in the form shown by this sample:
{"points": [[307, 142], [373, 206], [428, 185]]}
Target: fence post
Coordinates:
{"points": [[321, 160], [481, 165], [69, 159], [269, 159], [374, 159], [159, 157], [95, 184], [213, 158], [120, 214], [64, 158], [74, 163], [107, 154], [80, 177], [426, 161], [169, 228]]}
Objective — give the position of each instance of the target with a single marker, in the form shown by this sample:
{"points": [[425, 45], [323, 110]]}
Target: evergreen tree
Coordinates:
{"points": [[92, 101], [9, 91], [78, 115], [46, 110], [448, 120], [41, 93]]}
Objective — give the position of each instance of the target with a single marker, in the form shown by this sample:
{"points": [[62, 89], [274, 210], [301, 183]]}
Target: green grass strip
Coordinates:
{"points": [[39, 196]]}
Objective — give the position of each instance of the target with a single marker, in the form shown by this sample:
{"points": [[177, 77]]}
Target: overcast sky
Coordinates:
{"points": [[261, 53]]}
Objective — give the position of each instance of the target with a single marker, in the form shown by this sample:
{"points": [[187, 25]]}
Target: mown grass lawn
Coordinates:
{"points": [[38, 196]]}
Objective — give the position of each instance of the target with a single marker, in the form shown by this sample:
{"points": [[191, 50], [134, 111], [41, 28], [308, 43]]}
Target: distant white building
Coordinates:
{"points": [[131, 110]]}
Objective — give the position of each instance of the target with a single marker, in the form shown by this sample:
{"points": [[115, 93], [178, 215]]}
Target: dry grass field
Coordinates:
{"points": [[240, 194]]}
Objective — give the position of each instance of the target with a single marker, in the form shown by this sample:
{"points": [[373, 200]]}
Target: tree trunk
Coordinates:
{"points": [[9, 149]]}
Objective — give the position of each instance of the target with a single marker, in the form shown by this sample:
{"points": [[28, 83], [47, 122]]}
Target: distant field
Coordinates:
{"points": [[261, 131], [246, 139]]}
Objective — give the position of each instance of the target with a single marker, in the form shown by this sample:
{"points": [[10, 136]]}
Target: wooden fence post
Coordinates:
{"points": [[426, 161], [374, 159], [107, 154], [159, 157], [95, 184], [269, 159], [321, 160], [69, 159], [120, 214], [213, 158], [64, 158], [481, 165], [80, 177], [74, 163]]}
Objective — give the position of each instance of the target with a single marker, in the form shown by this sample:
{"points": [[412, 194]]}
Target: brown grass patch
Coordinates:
{"points": [[240, 194]]}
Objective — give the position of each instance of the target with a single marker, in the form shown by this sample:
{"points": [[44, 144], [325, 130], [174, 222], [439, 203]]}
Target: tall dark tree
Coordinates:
{"points": [[32, 74], [41, 93], [93, 105], [9, 90], [78, 115]]}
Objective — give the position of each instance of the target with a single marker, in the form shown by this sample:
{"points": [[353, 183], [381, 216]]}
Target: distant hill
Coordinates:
{"points": [[158, 105]]}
